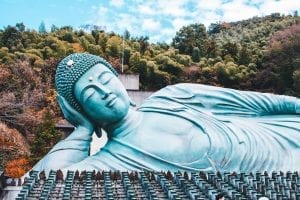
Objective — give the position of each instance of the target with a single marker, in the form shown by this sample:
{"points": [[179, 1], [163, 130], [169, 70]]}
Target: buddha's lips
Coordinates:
{"points": [[111, 99]]}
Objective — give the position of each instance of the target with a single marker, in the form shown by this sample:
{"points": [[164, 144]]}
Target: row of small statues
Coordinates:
{"points": [[162, 185]]}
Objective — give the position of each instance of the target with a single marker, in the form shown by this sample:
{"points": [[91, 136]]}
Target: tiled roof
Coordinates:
{"points": [[160, 185]]}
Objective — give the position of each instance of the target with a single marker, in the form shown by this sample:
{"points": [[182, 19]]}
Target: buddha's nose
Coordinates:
{"points": [[106, 94], [104, 91]]}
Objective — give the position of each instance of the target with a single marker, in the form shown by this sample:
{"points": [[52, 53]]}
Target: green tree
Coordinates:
{"points": [[296, 78], [296, 13], [42, 28], [68, 36], [134, 62], [89, 38], [53, 47], [113, 47], [244, 55], [283, 58], [46, 136], [3, 52], [20, 27], [196, 54], [94, 49], [102, 41], [227, 74], [170, 66], [189, 37], [142, 66], [127, 52], [84, 42], [95, 34], [143, 43], [11, 38], [126, 35], [214, 28], [230, 48], [156, 79], [54, 28], [139, 65], [211, 48]]}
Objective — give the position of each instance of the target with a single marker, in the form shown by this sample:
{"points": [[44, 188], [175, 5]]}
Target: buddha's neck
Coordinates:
{"points": [[125, 126]]}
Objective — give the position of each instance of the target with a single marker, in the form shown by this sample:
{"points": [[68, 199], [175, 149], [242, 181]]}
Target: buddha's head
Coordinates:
{"points": [[91, 86]]}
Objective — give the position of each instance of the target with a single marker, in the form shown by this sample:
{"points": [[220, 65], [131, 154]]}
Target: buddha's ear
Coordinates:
{"points": [[98, 131], [132, 103]]}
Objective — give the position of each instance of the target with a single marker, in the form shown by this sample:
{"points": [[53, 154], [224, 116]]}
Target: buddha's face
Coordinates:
{"points": [[102, 95]]}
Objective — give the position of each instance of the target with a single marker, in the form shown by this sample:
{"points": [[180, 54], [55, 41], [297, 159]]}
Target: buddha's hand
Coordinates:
{"points": [[73, 148], [73, 116]]}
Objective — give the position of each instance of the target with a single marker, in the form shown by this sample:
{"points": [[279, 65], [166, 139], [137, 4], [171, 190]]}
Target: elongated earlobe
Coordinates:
{"points": [[132, 103]]}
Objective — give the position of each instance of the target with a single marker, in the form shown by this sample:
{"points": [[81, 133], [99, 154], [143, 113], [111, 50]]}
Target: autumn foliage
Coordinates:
{"points": [[13, 149], [13, 144], [17, 167]]}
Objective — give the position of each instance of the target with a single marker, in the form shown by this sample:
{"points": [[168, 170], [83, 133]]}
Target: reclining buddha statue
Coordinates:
{"points": [[188, 127]]}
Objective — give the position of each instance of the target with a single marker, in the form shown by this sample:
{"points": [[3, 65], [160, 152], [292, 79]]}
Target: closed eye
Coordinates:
{"points": [[105, 77], [87, 94]]}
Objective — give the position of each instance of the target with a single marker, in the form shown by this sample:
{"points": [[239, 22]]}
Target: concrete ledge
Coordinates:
{"points": [[10, 192]]}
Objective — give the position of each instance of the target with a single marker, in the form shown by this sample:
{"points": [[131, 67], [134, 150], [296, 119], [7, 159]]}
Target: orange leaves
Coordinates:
{"points": [[6, 144], [4, 73], [77, 47], [12, 139], [12, 147], [17, 168]]}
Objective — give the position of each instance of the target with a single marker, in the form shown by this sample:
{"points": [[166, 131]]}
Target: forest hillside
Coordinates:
{"points": [[261, 54]]}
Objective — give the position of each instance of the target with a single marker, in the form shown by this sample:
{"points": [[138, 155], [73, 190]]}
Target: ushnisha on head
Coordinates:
{"points": [[90, 85], [70, 69]]}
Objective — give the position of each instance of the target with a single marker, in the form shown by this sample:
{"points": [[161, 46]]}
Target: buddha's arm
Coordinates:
{"points": [[75, 147], [71, 150], [224, 101]]}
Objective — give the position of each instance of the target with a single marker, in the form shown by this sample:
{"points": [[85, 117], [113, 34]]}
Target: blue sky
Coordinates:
{"points": [[158, 19]]}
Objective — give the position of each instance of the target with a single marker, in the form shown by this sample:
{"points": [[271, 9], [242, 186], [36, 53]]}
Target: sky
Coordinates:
{"points": [[157, 19]]}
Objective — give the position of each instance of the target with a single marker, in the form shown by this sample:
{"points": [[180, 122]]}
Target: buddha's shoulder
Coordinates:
{"points": [[183, 90], [171, 98], [178, 90]]}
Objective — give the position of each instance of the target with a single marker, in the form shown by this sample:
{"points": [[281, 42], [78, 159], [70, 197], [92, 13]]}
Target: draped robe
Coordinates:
{"points": [[246, 131]]}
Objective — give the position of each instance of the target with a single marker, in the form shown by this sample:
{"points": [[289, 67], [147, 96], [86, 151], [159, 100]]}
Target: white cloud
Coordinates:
{"points": [[241, 9], [180, 22], [238, 10], [167, 31], [160, 19], [146, 10], [283, 6], [209, 17], [256, 1], [165, 35], [174, 8], [101, 18], [117, 3], [125, 22], [155, 38], [209, 5], [102, 11], [168, 8], [151, 25]]}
